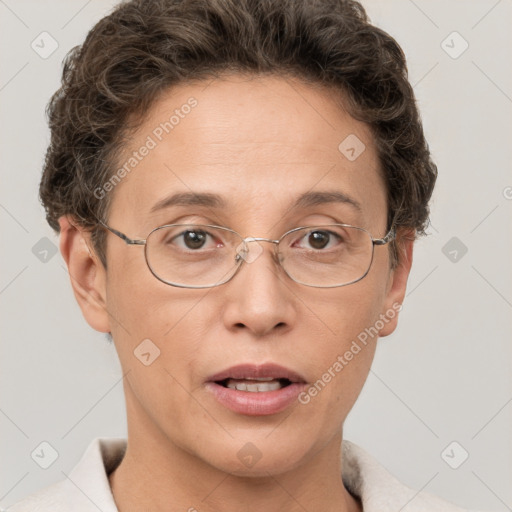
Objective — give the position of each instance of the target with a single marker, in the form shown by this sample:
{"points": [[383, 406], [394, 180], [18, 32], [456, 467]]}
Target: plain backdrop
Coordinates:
{"points": [[440, 388]]}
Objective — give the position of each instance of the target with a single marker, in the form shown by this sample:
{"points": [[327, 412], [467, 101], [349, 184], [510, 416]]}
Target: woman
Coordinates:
{"points": [[238, 186]]}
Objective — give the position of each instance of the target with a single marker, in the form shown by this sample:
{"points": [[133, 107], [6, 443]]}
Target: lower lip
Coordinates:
{"points": [[260, 403]]}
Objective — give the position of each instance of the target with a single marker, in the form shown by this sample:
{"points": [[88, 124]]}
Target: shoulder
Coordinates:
{"points": [[86, 488], [380, 491], [57, 497]]}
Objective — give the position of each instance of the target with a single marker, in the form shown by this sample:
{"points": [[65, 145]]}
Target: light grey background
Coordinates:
{"points": [[445, 375]]}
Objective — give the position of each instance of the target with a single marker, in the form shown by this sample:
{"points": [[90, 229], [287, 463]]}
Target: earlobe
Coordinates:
{"points": [[86, 272], [398, 283]]}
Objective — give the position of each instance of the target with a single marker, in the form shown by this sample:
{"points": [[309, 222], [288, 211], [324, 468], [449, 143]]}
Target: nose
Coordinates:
{"points": [[259, 297]]}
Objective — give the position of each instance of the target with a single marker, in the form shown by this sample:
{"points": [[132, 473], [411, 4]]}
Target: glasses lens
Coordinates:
{"points": [[192, 255], [202, 256], [327, 256]]}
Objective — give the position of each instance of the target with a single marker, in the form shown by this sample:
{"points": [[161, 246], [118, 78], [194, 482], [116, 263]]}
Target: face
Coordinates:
{"points": [[259, 144]]}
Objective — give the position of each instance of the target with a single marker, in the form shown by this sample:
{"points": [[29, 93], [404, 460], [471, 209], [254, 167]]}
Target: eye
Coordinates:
{"points": [[193, 239], [320, 239]]}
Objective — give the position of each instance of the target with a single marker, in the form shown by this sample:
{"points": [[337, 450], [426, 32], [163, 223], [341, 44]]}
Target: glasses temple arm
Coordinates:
{"points": [[388, 238], [122, 236]]}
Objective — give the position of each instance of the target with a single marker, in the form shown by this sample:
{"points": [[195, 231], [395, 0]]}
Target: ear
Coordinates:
{"points": [[397, 282], [86, 272]]}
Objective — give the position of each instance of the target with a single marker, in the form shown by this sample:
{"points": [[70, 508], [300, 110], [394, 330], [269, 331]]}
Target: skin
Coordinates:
{"points": [[259, 142]]}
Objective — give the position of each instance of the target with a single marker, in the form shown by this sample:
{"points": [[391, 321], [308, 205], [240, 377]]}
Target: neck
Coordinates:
{"points": [[156, 474]]}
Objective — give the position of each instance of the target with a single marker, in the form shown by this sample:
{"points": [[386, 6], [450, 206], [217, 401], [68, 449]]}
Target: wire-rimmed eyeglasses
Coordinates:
{"points": [[205, 255]]}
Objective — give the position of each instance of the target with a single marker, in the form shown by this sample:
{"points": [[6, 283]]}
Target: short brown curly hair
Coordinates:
{"points": [[146, 46]]}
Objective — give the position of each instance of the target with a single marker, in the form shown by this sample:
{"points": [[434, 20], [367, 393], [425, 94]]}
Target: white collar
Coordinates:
{"points": [[87, 488]]}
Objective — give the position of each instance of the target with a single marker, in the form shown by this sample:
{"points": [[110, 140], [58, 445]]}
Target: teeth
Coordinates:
{"points": [[263, 384]]}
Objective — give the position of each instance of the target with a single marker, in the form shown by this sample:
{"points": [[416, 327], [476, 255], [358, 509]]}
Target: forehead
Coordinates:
{"points": [[258, 142]]}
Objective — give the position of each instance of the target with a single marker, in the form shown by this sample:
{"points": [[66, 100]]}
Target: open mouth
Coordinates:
{"points": [[256, 389], [255, 385]]}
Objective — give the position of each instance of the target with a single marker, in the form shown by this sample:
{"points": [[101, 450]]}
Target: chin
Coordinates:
{"points": [[258, 458]]}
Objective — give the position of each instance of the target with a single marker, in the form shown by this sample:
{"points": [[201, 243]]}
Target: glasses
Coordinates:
{"points": [[204, 256]]}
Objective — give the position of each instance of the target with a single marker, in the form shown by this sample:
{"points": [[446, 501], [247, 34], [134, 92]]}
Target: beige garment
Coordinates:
{"points": [[88, 490]]}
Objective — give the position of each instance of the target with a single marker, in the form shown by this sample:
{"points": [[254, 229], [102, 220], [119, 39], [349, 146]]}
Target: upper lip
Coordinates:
{"points": [[251, 371]]}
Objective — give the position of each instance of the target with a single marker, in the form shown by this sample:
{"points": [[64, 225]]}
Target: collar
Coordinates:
{"points": [[87, 489]]}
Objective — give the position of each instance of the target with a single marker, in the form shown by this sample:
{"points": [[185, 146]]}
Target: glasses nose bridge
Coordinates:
{"points": [[247, 240], [260, 239]]}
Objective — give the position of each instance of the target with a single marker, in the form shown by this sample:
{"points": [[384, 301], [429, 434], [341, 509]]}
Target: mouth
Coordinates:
{"points": [[255, 385], [256, 390]]}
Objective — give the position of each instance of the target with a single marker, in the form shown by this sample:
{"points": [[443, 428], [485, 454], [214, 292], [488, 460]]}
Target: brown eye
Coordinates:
{"points": [[191, 239], [194, 239], [318, 239]]}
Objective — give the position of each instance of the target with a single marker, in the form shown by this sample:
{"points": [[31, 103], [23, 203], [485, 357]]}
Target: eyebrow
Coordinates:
{"points": [[190, 199], [315, 198], [211, 200]]}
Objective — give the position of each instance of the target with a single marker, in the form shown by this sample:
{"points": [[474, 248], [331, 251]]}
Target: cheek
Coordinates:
{"points": [[350, 310], [158, 330], [346, 341], [142, 308]]}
